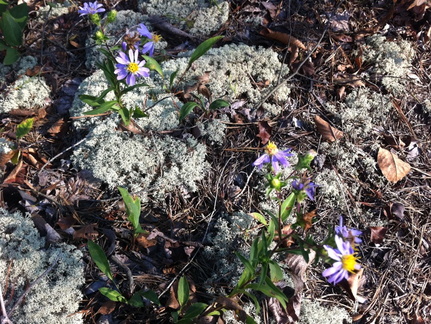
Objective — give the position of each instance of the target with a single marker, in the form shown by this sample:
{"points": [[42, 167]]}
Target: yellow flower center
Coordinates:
{"points": [[132, 67], [348, 262], [156, 38], [271, 149]]}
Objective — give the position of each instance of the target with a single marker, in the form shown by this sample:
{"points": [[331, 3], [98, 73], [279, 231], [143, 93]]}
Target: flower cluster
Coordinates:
{"points": [[304, 188], [151, 40], [344, 254]]}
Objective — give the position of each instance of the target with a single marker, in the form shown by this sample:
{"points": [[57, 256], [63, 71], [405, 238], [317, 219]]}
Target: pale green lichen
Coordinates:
{"points": [[362, 110], [53, 10], [213, 130], [19, 67], [313, 312], [198, 17], [391, 61], [238, 72], [149, 166], [23, 258], [25, 93]]}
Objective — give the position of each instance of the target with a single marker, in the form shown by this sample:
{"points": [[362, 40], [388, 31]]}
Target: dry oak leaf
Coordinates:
{"points": [[329, 133], [284, 38], [391, 166]]}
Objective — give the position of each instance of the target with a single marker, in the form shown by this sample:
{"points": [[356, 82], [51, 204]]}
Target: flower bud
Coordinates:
{"points": [[95, 19], [99, 36], [304, 161], [112, 15]]}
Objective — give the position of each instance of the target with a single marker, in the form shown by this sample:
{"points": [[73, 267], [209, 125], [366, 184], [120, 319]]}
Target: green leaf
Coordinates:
{"points": [[133, 209], [186, 109], [108, 69], [125, 115], [112, 294], [260, 218], [24, 128], [12, 55], [219, 103], [172, 78], [248, 273], [99, 258], [287, 206], [138, 113], [3, 45], [193, 311], [136, 299], [12, 24], [254, 298], [270, 291], [153, 65], [183, 291], [3, 6], [203, 48], [250, 320], [91, 100], [128, 89], [275, 271]]}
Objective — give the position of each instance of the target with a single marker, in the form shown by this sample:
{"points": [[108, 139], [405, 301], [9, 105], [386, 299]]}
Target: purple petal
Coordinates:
{"points": [[281, 158], [261, 161], [122, 58], [336, 267], [332, 253], [143, 31], [148, 47], [131, 79]]}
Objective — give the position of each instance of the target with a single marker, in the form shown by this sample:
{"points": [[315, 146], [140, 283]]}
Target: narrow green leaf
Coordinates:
{"points": [[287, 206], [24, 128], [254, 298], [138, 113], [12, 55], [136, 299], [133, 209], [93, 101], [104, 93], [219, 103], [125, 115], [113, 295], [153, 65], [250, 320], [203, 48], [194, 310], [275, 271], [260, 218], [172, 78], [183, 291], [99, 258], [248, 273], [186, 109]]}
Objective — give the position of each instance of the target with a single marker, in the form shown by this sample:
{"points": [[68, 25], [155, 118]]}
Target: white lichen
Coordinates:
{"points": [[23, 258], [149, 166], [313, 312], [391, 61], [213, 130], [238, 72], [25, 93], [53, 10], [198, 17]]}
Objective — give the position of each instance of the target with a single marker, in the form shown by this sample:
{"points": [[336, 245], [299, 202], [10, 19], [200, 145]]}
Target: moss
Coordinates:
{"points": [[23, 258], [199, 17], [25, 93]]}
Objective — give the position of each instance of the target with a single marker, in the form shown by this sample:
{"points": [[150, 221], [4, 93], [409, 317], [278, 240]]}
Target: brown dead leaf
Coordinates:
{"points": [[66, 222], [329, 133], [418, 3], [352, 285], [391, 166], [203, 90], [5, 157], [308, 219], [22, 112], [13, 176], [350, 80], [86, 232], [145, 242], [264, 131], [107, 308], [57, 127], [284, 38], [378, 234]]}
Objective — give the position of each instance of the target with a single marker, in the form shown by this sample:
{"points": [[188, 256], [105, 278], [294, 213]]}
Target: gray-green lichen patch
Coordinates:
{"points": [[162, 116], [19, 67], [361, 112], [238, 72], [391, 61], [25, 93], [23, 258], [213, 130], [313, 312], [149, 166], [198, 17], [126, 20], [53, 10]]}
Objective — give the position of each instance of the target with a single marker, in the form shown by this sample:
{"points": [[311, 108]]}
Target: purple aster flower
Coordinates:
{"points": [[345, 259], [309, 188], [274, 156], [91, 8], [349, 234], [130, 67], [153, 39]]}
